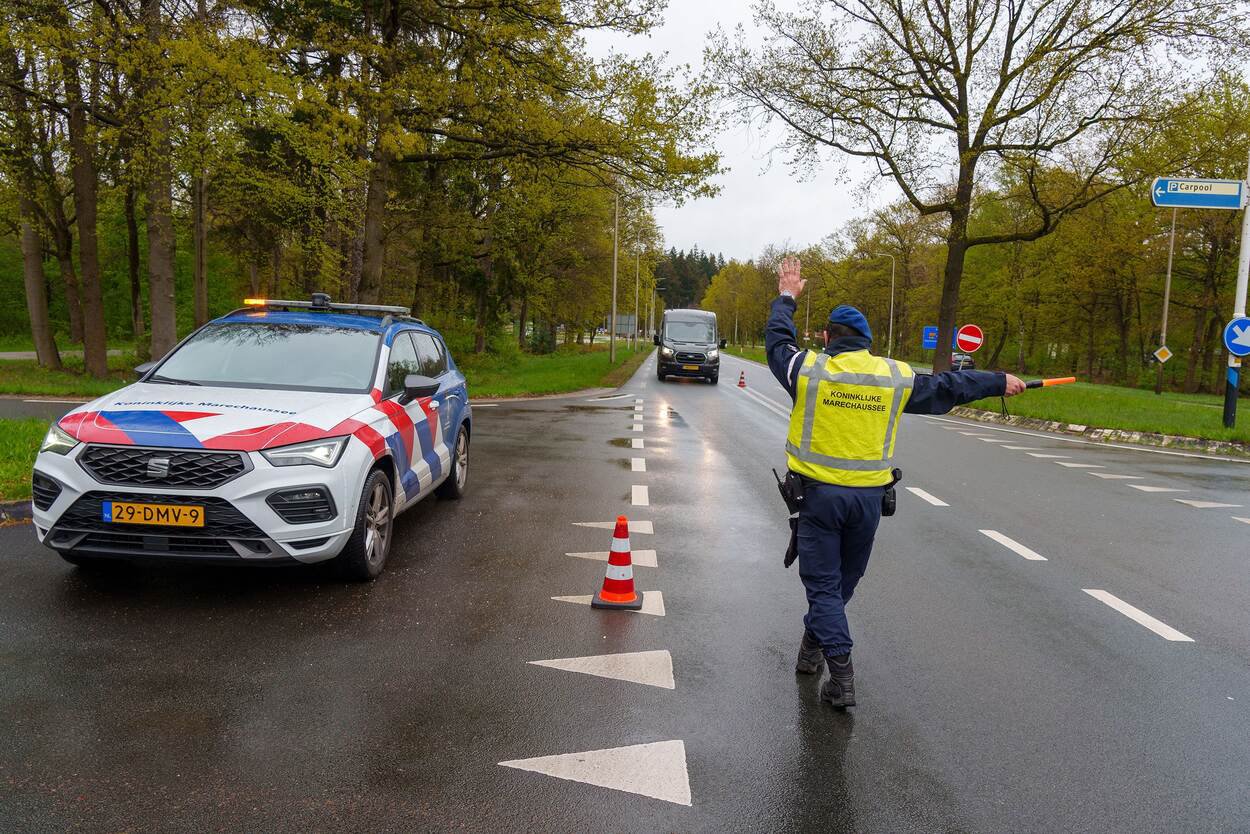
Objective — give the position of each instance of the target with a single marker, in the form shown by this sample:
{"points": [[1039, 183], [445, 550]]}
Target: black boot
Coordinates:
{"points": [[839, 690], [809, 656]]}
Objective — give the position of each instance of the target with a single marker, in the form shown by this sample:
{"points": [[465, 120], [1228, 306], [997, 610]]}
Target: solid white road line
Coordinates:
{"points": [[1204, 505], [932, 499], [1111, 476], [657, 769], [485, 405], [1046, 455], [1080, 465], [1139, 616], [638, 464], [607, 397], [640, 497], [764, 401], [71, 402], [643, 527], [654, 668], [652, 602], [636, 443], [639, 558], [1148, 488], [1014, 546]]}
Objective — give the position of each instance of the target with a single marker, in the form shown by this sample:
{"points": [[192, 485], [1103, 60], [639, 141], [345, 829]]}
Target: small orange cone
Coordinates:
{"points": [[742, 379], [618, 584]]}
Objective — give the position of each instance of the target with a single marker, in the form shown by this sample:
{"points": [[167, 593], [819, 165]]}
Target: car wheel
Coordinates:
{"points": [[661, 376], [714, 379], [454, 486], [370, 542]]}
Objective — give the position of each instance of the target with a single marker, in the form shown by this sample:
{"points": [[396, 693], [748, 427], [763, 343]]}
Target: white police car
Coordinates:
{"points": [[286, 431]]}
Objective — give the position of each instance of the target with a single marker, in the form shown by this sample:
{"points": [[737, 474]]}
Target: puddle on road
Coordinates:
{"points": [[621, 442]]}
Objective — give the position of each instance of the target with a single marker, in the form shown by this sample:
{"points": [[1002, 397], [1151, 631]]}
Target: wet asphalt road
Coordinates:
{"points": [[995, 694]]}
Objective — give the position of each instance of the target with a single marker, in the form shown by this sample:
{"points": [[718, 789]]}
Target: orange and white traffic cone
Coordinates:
{"points": [[742, 379], [618, 584]]}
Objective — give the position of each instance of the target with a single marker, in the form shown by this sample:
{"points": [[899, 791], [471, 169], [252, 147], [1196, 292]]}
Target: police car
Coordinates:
{"points": [[285, 431]]}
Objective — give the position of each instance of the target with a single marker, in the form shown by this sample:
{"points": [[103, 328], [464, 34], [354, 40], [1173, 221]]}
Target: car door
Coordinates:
{"points": [[447, 404], [408, 417]]}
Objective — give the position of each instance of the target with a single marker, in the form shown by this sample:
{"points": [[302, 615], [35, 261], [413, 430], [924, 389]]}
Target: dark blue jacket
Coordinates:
{"points": [[931, 394]]}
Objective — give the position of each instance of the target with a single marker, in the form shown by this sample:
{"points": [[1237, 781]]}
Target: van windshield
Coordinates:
{"points": [[701, 332]]}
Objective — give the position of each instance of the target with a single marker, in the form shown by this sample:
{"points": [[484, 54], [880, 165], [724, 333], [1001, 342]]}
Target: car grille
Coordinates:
{"points": [[698, 358], [44, 491], [187, 469], [302, 506], [221, 519], [137, 543]]}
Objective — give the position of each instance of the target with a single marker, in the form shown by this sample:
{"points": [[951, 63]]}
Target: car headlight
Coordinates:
{"points": [[316, 452], [58, 441], [713, 354], [666, 352]]}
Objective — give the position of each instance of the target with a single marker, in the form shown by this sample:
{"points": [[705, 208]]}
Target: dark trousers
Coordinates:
{"points": [[836, 529]]}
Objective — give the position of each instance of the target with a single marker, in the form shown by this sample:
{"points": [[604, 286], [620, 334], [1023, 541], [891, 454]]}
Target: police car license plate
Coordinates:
{"points": [[690, 367], [166, 515]]}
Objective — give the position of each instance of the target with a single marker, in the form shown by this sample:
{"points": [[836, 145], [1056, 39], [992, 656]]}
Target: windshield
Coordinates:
{"points": [[699, 332], [305, 357]]}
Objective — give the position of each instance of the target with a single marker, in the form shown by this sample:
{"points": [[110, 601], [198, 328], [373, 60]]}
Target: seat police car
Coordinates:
{"points": [[285, 431]]}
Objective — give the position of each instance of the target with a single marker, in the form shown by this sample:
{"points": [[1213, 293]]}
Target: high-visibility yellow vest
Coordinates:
{"points": [[845, 417]]}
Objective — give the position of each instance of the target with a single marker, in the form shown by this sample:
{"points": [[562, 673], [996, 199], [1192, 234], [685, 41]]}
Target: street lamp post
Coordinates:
{"points": [[889, 347], [616, 228], [637, 269]]}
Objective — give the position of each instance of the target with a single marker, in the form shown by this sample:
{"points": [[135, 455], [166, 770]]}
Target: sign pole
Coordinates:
{"points": [[1167, 296], [1233, 378]]}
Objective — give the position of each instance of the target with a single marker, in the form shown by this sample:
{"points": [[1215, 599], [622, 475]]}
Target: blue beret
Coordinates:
{"points": [[848, 315]]}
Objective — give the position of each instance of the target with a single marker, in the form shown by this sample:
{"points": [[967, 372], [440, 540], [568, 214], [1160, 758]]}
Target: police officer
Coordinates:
{"points": [[847, 404]]}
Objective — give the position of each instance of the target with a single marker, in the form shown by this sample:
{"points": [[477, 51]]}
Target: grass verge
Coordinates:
{"points": [[568, 369], [755, 354], [1112, 407], [24, 376], [19, 442]]}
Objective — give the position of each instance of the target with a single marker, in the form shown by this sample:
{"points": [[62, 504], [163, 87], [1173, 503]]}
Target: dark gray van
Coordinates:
{"points": [[689, 345]]}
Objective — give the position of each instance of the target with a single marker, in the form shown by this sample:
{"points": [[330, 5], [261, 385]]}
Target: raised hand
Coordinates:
{"points": [[788, 276]]}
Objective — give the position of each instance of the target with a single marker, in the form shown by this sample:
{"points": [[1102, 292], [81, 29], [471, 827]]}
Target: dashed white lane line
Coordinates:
{"points": [[638, 464], [637, 427], [653, 668], [925, 496], [636, 443], [657, 769], [652, 602], [1014, 546], [1024, 448], [992, 440], [641, 527], [1204, 505], [640, 498], [1139, 616], [637, 401], [1079, 465], [1242, 520], [1112, 476], [974, 434], [638, 558], [1046, 455], [764, 401], [1148, 488]]}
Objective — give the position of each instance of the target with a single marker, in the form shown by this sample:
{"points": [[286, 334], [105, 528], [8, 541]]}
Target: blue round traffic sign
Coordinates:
{"points": [[1237, 336]]}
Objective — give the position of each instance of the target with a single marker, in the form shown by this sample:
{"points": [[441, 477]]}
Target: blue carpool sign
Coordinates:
{"points": [[928, 338], [1237, 337], [1209, 194]]}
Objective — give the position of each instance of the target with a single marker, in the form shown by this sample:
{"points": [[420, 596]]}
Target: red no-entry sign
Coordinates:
{"points": [[969, 338]]}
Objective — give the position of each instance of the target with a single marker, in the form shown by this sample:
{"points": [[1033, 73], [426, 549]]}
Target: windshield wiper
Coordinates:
{"points": [[170, 380]]}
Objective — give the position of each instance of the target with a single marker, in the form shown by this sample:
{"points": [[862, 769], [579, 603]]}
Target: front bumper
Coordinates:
{"points": [[671, 367], [239, 524]]}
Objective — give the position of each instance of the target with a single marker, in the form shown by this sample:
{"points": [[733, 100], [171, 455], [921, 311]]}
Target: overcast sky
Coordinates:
{"points": [[760, 202]]}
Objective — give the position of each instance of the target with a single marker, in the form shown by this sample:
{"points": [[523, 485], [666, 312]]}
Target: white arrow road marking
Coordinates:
{"points": [[1040, 455], [974, 434], [640, 498], [638, 464], [636, 443], [643, 527], [652, 602], [639, 558], [1024, 448], [1204, 505], [1014, 546], [1111, 476], [1079, 465], [932, 499], [653, 668], [1148, 488], [657, 770], [993, 440], [1139, 616]]}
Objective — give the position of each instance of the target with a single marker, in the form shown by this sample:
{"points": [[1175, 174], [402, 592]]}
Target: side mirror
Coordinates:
{"points": [[655, 338], [143, 370], [417, 386], [724, 343]]}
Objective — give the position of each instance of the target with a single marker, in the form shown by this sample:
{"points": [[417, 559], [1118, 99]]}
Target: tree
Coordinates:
{"points": [[941, 98]]}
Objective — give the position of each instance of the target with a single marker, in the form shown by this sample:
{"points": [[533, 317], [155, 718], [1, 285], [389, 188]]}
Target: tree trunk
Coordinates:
{"points": [[64, 237], [479, 321], [160, 222], [1194, 360], [36, 288], [1002, 341], [369, 287], [253, 277], [199, 237], [83, 174], [520, 321], [132, 271], [948, 308]]}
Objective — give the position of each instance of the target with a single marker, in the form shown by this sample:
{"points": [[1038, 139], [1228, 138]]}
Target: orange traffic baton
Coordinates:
{"points": [[1047, 383], [618, 583]]}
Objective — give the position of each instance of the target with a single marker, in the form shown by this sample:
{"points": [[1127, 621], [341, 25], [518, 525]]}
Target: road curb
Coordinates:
{"points": [[585, 392], [15, 511], [1233, 448]]}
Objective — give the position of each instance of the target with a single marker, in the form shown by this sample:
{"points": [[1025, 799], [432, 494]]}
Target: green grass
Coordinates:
{"points": [[14, 342], [1112, 407], [755, 354], [24, 376], [19, 442], [568, 369]]}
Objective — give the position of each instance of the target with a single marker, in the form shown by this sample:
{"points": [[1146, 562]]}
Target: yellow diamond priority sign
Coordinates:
{"points": [[1163, 354]]}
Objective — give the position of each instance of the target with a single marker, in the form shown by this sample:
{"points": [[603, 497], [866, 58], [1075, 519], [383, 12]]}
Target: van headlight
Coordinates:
{"points": [[317, 452], [57, 441], [666, 352], [713, 354]]}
